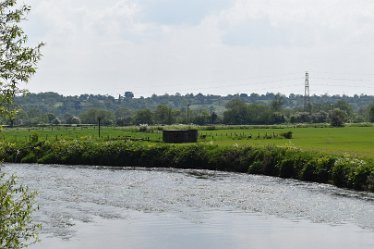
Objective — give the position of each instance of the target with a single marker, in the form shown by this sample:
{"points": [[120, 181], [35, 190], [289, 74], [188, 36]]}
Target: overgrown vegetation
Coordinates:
{"points": [[17, 203], [283, 162], [17, 64]]}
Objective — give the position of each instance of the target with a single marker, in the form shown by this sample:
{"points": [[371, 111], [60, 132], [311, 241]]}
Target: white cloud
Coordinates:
{"points": [[177, 12], [219, 46], [294, 23]]}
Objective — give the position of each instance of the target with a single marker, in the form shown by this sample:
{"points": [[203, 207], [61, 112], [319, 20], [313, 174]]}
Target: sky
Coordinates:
{"points": [[208, 46]]}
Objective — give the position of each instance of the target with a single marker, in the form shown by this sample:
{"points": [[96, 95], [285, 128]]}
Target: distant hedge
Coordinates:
{"points": [[272, 161]]}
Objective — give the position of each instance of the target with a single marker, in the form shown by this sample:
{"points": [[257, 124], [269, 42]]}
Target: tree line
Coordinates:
{"points": [[240, 109]]}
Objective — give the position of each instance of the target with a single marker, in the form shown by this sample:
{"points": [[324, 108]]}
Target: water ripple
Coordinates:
{"points": [[69, 194]]}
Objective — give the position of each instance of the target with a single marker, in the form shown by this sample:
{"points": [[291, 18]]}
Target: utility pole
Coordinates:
{"points": [[188, 113], [99, 119], [307, 104]]}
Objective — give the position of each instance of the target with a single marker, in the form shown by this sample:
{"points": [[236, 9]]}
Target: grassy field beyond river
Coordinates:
{"points": [[353, 141]]}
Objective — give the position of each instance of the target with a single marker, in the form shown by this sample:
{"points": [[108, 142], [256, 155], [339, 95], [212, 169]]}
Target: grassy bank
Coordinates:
{"points": [[286, 162]]}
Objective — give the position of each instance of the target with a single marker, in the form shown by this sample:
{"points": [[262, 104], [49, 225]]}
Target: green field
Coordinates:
{"points": [[352, 141]]}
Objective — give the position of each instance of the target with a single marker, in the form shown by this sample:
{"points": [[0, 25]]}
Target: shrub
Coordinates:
{"points": [[287, 168], [358, 177], [143, 128], [352, 173], [308, 172], [34, 138], [29, 158], [16, 206], [323, 168], [256, 168], [270, 156], [287, 135], [211, 128], [370, 181]]}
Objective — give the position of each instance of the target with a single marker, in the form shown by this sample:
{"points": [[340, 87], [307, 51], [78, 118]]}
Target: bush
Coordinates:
{"points": [[34, 138], [358, 177], [143, 128], [256, 168], [16, 206], [353, 173], [287, 135], [323, 168], [211, 128], [287, 168], [29, 158], [308, 172]]}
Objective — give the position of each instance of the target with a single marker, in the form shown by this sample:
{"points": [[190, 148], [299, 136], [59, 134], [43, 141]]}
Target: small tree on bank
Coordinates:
{"points": [[17, 64]]}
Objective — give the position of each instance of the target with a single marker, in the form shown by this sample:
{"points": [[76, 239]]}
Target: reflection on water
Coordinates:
{"points": [[86, 207]]}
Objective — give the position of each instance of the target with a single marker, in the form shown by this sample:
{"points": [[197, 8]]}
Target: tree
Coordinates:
{"points": [[56, 121], [71, 119], [236, 113], [75, 120], [129, 95], [346, 107], [123, 116], [200, 117], [277, 118], [370, 111], [300, 117], [17, 61], [143, 117], [277, 103], [337, 117], [92, 116], [36, 116], [320, 117], [164, 115], [259, 114], [17, 65], [50, 117], [213, 117]]}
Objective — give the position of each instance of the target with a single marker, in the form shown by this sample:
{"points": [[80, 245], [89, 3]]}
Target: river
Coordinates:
{"points": [[96, 207]]}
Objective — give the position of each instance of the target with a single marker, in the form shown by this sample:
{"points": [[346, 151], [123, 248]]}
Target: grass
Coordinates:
{"points": [[71, 133], [353, 141]]}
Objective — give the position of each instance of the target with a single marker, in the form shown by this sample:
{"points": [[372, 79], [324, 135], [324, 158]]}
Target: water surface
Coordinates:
{"points": [[95, 207]]}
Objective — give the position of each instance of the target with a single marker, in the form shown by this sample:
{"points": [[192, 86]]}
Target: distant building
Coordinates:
{"points": [[180, 136]]}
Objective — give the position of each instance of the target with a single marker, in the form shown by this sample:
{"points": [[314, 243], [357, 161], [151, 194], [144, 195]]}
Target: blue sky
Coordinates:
{"points": [[208, 46]]}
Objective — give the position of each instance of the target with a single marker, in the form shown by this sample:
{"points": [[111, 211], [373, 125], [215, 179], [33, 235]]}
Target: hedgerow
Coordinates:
{"points": [[273, 161]]}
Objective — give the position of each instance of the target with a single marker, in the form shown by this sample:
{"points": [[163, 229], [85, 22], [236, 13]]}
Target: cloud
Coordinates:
{"points": [[180, 12], [163, 46], [296, 23], [257, 33]]}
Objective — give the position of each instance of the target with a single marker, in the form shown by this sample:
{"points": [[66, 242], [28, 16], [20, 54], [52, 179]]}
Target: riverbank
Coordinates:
{"points": [[285, 162]]}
